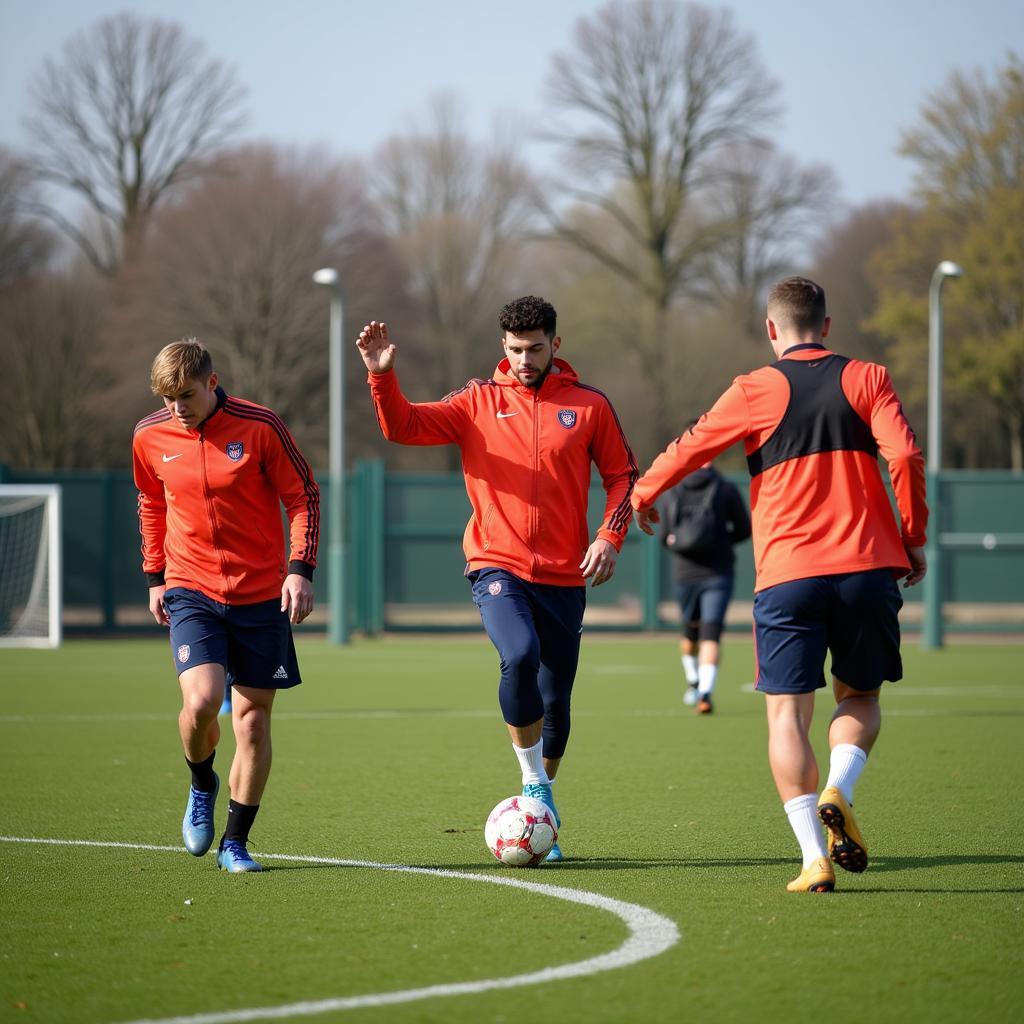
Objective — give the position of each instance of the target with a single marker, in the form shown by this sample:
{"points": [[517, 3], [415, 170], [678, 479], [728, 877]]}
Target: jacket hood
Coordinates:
{"points": [[561, 373], [698, 479]]}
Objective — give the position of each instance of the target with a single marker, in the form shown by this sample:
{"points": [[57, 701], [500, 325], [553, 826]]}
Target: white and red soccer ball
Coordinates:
{"points": [[520, 831]]}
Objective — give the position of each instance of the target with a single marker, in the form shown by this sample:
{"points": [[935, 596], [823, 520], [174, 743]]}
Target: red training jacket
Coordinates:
{"points": [[526, 455], [210, 502], [816, 510]]}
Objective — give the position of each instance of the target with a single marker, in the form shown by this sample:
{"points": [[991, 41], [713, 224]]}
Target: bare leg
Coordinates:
{"points": [[710, 652], [250, 716], [857, 718], [202, 690], [790, 754]]}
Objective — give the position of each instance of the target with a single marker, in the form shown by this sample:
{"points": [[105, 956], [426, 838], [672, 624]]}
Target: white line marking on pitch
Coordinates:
{"points": [[650, 935]]}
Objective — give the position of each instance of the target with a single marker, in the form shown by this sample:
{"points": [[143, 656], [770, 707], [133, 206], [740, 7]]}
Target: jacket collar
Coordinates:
{"points": [[560, 374], [808, 346]]}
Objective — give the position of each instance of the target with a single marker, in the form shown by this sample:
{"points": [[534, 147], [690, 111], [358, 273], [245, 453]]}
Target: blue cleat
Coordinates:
{"points": [[234, 857], [541, 792], [225, 707], [197, 825]]}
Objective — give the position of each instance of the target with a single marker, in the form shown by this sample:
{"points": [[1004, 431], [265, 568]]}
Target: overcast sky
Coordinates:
{"points": [[347, 74]]}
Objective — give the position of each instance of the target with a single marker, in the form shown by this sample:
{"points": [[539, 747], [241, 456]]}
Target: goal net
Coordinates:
{"points": [[30, 598]]}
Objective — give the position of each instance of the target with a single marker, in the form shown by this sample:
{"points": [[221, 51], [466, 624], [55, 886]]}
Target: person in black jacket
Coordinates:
{"points": [[702, 518]]}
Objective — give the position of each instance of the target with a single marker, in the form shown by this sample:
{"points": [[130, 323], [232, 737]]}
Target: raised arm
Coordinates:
{"points": [[417, 423]]}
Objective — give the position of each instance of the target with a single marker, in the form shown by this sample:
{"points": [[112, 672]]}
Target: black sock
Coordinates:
{"points": [[240, 819], [203, 778]]}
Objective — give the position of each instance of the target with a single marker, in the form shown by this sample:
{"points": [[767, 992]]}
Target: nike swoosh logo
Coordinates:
{"points": [[171, 458], [505, 415]]}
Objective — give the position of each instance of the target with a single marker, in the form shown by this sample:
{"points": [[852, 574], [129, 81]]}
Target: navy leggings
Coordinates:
{"points": [[535, 628]]}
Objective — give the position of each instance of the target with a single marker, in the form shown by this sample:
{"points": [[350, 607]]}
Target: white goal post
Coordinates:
{"points": [[30, 565]]}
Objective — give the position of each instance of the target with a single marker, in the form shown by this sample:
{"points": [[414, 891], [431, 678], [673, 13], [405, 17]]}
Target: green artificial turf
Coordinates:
{"points": [[392, 751]]}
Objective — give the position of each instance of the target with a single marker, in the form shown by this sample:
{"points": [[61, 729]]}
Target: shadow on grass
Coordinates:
{"points": [[879, 865]]}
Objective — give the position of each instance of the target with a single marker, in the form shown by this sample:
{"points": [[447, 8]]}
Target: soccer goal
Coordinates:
{"points": [[30, 595]]}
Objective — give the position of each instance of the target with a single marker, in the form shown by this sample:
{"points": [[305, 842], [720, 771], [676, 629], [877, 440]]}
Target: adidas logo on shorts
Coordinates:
{"points": [[280, 673]]}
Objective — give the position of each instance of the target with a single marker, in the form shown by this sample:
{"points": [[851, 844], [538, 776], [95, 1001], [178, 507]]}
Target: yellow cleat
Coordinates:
{"points": [[816, 877], [845, 843]]}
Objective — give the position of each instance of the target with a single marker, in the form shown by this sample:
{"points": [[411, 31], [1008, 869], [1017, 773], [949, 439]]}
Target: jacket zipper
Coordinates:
{"points": [[535, 505], [208, 501]]}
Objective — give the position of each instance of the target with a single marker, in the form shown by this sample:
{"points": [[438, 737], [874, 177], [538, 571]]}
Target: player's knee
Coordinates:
{"points": [[252, 726], [710, 632], [520, 662], [201, 707]]}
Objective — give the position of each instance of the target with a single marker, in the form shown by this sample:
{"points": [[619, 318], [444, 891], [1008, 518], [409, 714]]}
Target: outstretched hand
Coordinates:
{"points": [[375, 347], [645, 517]]}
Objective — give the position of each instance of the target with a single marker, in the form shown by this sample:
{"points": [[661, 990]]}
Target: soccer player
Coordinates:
{"points": [[827, 553], [212, 472], [528, 436], [702, 519]]}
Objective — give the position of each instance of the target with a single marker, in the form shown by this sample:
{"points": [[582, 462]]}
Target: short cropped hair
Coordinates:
{"points": [[529, 313], [177, 363], [798, 304]]}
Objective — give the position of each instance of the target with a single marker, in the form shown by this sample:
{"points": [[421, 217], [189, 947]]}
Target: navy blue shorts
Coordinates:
{"points": [[704, 602], [854, 615], [252, 641]]}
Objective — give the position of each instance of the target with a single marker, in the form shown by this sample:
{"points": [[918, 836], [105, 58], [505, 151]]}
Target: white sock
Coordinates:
{"points": [[690, 668], [802, 812], [706, 674], [531, 760], [845, 766]]}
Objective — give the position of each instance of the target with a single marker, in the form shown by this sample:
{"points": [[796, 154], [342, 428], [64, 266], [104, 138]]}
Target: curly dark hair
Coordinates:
{"points": [[529, 313]]}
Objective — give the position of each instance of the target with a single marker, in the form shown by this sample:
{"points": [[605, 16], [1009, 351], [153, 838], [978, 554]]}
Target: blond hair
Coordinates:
{"points": [[177, 363]]}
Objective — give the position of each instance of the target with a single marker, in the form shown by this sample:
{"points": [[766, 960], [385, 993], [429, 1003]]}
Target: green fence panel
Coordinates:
{"points": [[405, 559]]}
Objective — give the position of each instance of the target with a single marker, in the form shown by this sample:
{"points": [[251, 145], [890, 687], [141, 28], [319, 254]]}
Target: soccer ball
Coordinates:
{"points": [[520, 831]]}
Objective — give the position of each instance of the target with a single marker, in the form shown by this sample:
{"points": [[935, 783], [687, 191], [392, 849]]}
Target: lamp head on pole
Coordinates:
{"points": [[947, 268], [327, 277]]}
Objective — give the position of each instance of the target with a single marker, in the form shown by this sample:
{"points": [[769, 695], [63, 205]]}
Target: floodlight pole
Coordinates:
{"points": [[337, 628], [932, 634]]}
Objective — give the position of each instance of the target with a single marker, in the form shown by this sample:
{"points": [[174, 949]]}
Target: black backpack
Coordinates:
{"points": [[695, 528]]}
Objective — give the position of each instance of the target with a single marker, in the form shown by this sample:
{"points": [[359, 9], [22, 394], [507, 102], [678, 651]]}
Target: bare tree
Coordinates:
{"points": [[232, 262], [768, 207], [25, 245], [661, 88], [842, 261], [130, 111], [51, 373], [459, 213]]}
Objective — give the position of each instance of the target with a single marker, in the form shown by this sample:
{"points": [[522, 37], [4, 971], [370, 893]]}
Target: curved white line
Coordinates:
{"points": [[650, 935]]}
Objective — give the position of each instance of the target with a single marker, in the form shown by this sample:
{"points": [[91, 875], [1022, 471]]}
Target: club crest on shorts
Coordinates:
{"points": [[235, 450], [567, 417], [494, 589], [183, 652]]}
